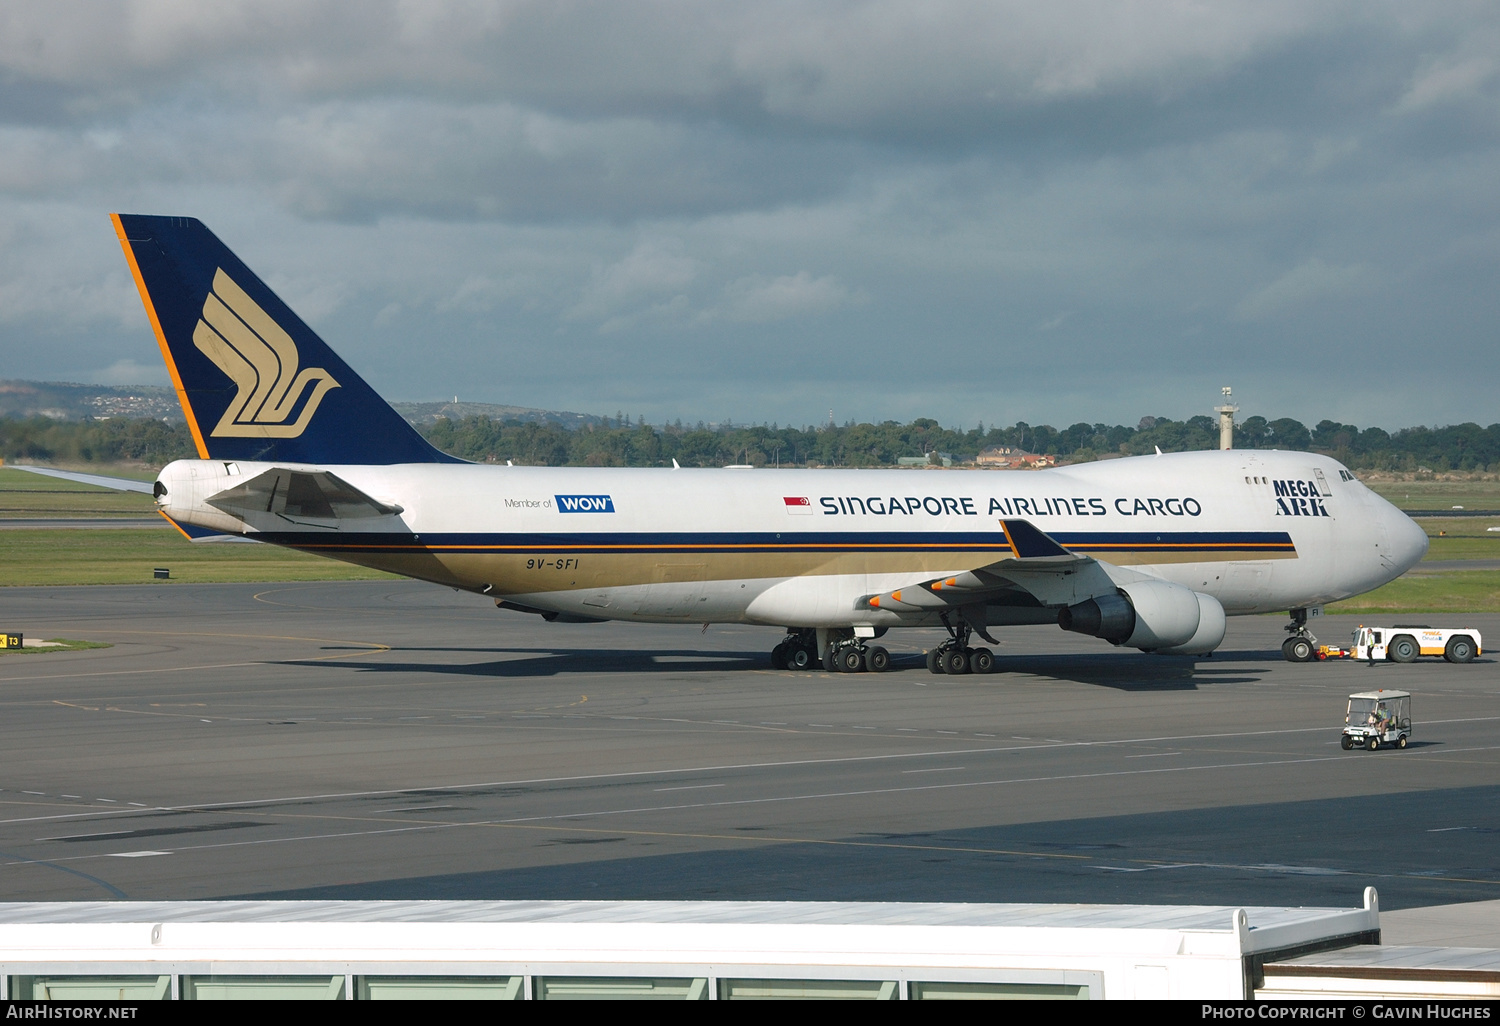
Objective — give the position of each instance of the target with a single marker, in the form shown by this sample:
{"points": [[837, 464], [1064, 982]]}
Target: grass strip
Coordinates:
{"points": [[1462, 591], [129, 556], [58, 645]]}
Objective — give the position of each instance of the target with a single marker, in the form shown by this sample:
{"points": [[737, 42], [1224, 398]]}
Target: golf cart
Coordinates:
{"points": [[1376, 718]]}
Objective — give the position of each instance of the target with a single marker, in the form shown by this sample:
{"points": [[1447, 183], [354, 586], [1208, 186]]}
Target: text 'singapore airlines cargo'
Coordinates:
{"points": [[1151, 552]]}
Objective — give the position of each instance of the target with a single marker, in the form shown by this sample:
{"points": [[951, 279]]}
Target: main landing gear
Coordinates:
{"points": [[844, 653], [1301, 647], [797, 651], [955, 656]]}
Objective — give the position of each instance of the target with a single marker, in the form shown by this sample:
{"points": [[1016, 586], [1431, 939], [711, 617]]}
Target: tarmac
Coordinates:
{"points": [[381, 739]]}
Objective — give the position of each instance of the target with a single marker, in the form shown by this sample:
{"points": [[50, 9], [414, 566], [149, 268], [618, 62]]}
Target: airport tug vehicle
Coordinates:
{"points": [[1402, 643], [1375, 718]]}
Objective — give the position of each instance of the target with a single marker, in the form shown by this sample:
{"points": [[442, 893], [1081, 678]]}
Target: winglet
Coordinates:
{"points": [[1030, 543]]}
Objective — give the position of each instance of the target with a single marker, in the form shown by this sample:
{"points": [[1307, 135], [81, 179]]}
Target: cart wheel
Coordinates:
{"points": [[1372, 742], [1346, 742], [1401, 741]]}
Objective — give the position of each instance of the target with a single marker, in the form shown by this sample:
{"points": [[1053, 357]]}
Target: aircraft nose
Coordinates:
{"points": [[1408, 540]]}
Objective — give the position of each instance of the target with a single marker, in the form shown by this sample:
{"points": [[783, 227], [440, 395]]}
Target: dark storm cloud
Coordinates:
{"points": [[947, 208]]}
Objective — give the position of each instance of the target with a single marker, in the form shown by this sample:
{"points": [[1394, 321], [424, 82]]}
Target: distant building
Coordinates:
{"points": [[932, 459], [1004, 457]]}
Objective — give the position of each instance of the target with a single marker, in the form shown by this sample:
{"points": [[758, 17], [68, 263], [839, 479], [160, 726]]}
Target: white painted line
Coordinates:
{"points": [[419, 808], [134, 854], [687, 787], [127, 673]]}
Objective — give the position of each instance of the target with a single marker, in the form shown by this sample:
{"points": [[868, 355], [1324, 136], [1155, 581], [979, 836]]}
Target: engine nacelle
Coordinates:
{"points": [[1166, 615], [1210, 632], [1110, 617], [1154, 616]]}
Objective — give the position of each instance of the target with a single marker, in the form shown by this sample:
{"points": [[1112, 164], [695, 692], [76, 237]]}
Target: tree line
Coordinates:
{"points": [[618, 442]]}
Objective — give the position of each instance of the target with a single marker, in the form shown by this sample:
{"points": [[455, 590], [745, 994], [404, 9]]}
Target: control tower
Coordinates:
{"points": [[1226, 414]]}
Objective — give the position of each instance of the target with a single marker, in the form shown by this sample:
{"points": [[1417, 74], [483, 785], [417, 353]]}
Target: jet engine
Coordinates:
{"points": [[1154, 616]]}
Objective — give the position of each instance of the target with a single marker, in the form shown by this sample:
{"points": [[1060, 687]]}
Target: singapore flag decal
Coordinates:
{"points": [[798, 505]]}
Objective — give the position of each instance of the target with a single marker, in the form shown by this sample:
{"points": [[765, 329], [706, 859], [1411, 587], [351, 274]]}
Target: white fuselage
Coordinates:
{"points": [[1257, 530]]}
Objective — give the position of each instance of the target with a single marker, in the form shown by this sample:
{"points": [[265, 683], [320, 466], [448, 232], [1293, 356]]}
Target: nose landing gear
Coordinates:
{"points": [[1301, 647]]}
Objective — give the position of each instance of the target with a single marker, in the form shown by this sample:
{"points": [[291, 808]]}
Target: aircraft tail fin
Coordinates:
{"points": [[255, 382]]}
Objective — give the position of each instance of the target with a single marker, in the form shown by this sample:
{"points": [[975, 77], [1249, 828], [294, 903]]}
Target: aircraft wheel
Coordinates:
{"points": [[1372, 742], [1460, 649], [851, 660], [1404, 649], [934, 661], [982, 661], [877, 659], [798, 658], [1346, 742], [1401, 741], [955, 661], [778, 657], [1298, 650], [831, 660]]}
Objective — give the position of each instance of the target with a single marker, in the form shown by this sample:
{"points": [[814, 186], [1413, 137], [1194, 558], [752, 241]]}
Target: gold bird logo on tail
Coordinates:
{"points": [[261, 359]]}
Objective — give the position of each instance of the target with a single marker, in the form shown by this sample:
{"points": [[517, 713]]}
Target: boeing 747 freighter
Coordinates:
{"points": [[1149, 552]]}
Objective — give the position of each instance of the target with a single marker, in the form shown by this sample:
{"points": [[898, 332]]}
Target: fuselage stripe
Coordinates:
{"points": [[656, 543]]}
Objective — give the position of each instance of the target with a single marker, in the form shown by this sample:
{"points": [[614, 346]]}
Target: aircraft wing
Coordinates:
{"points": [[1040, 566], [120, 484]]}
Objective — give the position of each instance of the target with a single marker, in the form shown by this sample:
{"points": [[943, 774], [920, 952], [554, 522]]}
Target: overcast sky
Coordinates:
{"points": [[760, 211]]}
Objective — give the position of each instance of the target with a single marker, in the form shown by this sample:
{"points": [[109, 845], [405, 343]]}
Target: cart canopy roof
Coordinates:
{"points": [[1381, 695]]}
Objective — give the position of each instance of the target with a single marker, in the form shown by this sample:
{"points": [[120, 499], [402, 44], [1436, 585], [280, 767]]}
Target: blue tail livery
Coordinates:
{"points": [[255, 382]]}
